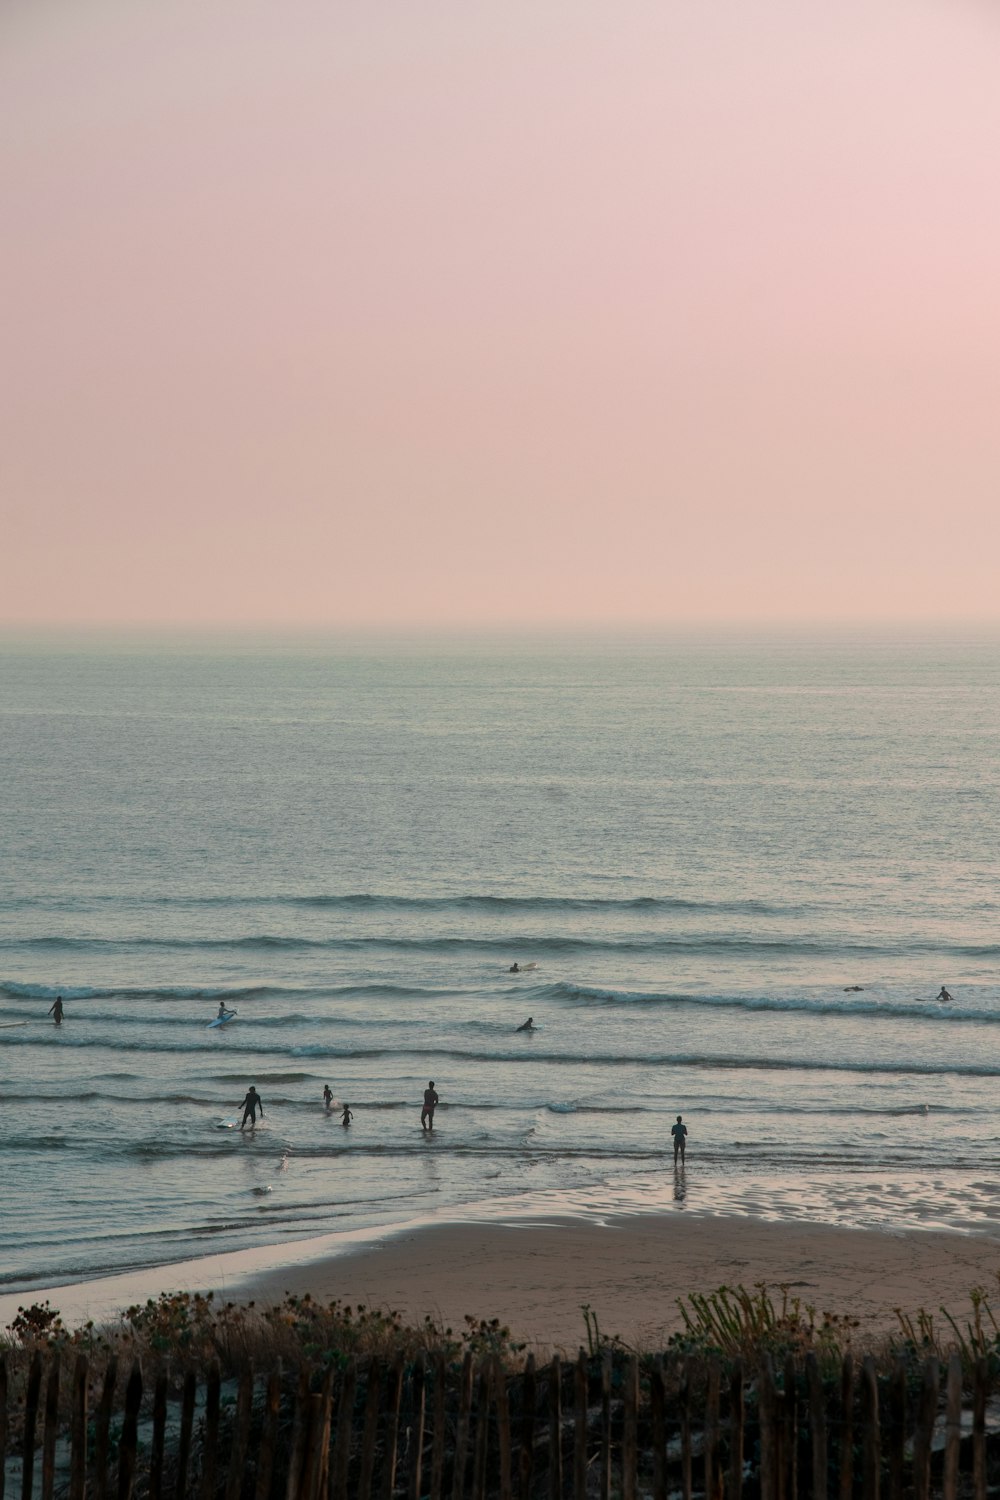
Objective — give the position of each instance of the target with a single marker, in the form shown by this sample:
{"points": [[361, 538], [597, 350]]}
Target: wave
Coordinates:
{"points": [[372, 901], [839, 1005], [12, 990]]}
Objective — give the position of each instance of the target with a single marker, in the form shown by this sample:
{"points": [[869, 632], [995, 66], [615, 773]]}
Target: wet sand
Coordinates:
{"points": [[536, 1275]]}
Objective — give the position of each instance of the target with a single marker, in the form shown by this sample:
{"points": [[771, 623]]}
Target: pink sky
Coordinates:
{"points": [[536, 312]]}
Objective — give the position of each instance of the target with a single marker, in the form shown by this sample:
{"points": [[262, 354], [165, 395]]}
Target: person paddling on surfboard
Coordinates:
{"points": [[250, 1106], [56, 1010], [224, 1012], [529, 1025]]}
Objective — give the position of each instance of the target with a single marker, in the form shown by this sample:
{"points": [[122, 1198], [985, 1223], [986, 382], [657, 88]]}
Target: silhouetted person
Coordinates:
{"points": [[430, 1104], [347, 1116], [327, 1096], [514, 968], [529, 1025], [251, 1104], [944, 995], [679, 1133], [56, 1010]]}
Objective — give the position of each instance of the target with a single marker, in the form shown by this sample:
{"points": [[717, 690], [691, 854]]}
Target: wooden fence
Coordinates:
{"points": [[591, 1429]]}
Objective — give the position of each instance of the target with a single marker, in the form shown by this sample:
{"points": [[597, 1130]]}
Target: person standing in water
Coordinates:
{"points": [[679, 1133], [944, 995], [250, 1106], [327, 1097], [56, 1010], [430, 1104], [347, 1116]]}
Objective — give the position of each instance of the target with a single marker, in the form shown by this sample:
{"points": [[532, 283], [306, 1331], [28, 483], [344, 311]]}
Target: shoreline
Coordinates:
{"points": [[536, 1273]]}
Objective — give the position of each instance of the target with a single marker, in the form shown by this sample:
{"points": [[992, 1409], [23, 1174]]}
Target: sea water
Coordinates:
{"points": [[703, 846]]}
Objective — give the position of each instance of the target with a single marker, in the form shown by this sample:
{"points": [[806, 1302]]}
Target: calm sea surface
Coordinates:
{"points": [[700, 846]]}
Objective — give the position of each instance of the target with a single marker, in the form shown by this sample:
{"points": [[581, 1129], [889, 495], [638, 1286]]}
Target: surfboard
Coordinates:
{"points": [[232, 1124], [222, 1020]]}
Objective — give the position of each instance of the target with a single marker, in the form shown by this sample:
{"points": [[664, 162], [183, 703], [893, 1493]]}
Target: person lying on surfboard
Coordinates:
{"points": [[529, 1025]]}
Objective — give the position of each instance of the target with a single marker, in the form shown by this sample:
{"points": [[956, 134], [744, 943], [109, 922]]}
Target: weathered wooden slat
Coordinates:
{"points": [[526, 1457], [159, 1437], [345, 1431], [268, 1436], [4, 1428], [210, 1447], [979, 1388], [300, 1423], [312, 1447], [871, 1457], [580, 1382], [846, 1453], [439, 1419], [894, 1428], [77, 1431], [789, 1478], [31, 1397], [817, 1427], [417, 1412], [684, 1415], [924, 1430], [555, 1430], [369, 1436], [630, 1428], [711, 1437], [658, 1426], [736, 1429], [503, 1428], [607, 1371], [51, 1429], [461, 1460], [767, 1411], [102, 1428], [129, 1434], [953, 1427], [394, 1394], [188, 1395], [481, 1446], [320, 1487], [241, 1435]]}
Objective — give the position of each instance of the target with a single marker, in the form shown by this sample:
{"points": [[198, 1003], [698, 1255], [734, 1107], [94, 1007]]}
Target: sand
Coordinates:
{"points": [[535, 1276]]}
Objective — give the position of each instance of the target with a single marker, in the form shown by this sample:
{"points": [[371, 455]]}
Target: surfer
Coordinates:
{"points": [[347, 1116], [679, 1133], [529, 1025], [250, 1106], [56, 1010], [944, 995], [515, 968], [223, 1012], [430, 1104], [327, 1097]]}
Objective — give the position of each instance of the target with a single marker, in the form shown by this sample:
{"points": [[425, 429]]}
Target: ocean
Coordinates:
{"points": [[704, 846]]}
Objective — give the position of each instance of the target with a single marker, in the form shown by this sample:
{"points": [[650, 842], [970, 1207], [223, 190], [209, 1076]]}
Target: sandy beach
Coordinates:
{"points": [[535, 1276]]}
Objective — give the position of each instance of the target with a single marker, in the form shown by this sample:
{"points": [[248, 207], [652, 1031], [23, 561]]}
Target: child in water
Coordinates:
{"points": [[347, 1116]]}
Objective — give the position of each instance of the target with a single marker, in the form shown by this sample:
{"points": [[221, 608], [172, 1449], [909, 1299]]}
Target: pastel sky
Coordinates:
{"points": [[336, 312]]}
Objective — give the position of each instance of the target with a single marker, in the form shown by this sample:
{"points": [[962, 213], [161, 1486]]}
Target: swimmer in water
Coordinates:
{"points": [[515, 968], [944, 995], [529, 1025]]}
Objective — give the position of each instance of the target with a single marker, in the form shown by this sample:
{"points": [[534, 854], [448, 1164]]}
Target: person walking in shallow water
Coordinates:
{"points": [[679, 1133], [250, 1106], [347, 1116], [430, 1104], [56, 1010]]}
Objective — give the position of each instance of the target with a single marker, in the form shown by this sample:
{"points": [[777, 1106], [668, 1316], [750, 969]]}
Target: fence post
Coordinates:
{"points": [[372, 1394], [461, 1459], [526, 1462], [211, 1443], [30, 1417], [503, 1429], [3, 1424], [711, 1435], [817, 1426], [630, 1428], [895, 1428], [300, 1418], [871, 1458], [159, 1437], [658, 1423], [790, 1432], [345, 1430], [555, 1429], [417, 1426], [767, 1403], [580, 1380], [481, 1447], [51, 1428], [847, 1428], [923, 1433], [268, 1435], [437, 1447], [953, 1427], [607, 1369], [184, 1437], [78, 1431], [241, 1435], [980, 1382], [684, 1411], [394, 1394], [129, 1435], [736, 1428]]}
